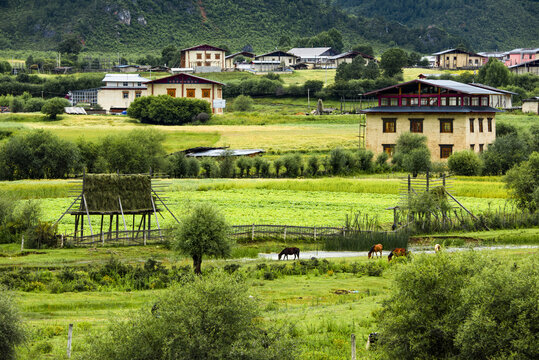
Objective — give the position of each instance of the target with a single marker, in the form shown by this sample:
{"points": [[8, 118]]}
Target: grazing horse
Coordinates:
{"points": [[376, 249], [289, 251], [397, 252], [437, 247]]}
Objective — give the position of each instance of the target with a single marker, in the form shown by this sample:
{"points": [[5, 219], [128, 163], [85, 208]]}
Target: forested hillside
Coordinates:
{"points": [[486, 24], [134, 25]]}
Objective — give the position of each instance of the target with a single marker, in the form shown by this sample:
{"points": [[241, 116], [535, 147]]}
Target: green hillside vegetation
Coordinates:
{"points": [[122, 25], [484, 24]]}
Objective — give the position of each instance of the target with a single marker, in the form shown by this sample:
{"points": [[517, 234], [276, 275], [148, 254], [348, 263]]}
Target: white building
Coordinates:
{"points": [[120, 90]]}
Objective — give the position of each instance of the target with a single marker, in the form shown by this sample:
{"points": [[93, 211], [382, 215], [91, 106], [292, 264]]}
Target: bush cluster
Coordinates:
{"points": [[57, 86], [166, 110]]}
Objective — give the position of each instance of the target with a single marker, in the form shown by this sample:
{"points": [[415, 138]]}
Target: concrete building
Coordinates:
{"points": [[189, 86], [284, 58], [120, 90], [518, 56], [453, 116], [203, 58], [313, 57], [458, 59], [347, 58], [531, 105], [531, 67], [230, 60]]}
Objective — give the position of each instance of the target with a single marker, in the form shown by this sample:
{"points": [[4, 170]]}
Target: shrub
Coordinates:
{"points": [[261, 166], [228, 166], [293, 165], [523, 182], [16, 104], [33, 105], [337, 161], [210, 167], [11, 330], [465, 163], [313, 165], [54, 107], [278, 165], [417, 161], [244, 164], [209, 318], [193, 167], [43, 234], [203, 232], [504, 153], [243, 103], [166, 110], [365, 159]]}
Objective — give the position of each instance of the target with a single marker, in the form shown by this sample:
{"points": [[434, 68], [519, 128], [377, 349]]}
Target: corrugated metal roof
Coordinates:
{"points": [[456, 50], [526, 63], [266, 62], [75, 110], [432, 109], [460, 87], [309, 52], [492, 88], [222, 152], [124, 78]]}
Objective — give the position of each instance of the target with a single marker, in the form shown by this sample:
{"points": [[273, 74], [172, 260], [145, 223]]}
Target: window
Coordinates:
{"points": [[190, 93], [443, 101], [480, 122], [199, 56], [471, 125], [446, 151], [384, 101], [481, 148], [125, 94], [416, 125], [484, 101], [389, 149], [390, 125], [206, 93], [472, 147], [414, 101], [452, 101], [424, 101], [125, 84], [394, 102], [475, 101], [489, 124], [207, 63], [219, 93], [446, 125], [218, 56], [199, 63], [466, 101], [139, 84], [208, 56], [433, 101], [138, 94], [171, 92]]}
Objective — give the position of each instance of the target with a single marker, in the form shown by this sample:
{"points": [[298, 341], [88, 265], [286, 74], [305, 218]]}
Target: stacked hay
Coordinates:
{"points": [[103, 190]]}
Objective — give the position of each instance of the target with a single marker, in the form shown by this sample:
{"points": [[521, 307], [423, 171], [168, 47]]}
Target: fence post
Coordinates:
{"points": [[69, 335], [103, 238], [315, 233], [22, 243], [253, 233], [343, 231], [285, 233], [353, 346]]}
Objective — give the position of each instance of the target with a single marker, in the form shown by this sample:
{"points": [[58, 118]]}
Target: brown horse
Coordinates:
{"points": [[376, 249], [289, 251], [397, 252]]}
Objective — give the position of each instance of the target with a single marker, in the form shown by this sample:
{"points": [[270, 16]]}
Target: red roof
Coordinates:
{"points": [[183, 78], [204, 47]]}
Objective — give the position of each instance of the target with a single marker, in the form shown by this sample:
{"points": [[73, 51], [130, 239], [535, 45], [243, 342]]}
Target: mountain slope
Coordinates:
{"points": [[141, 25], [487, 24]]}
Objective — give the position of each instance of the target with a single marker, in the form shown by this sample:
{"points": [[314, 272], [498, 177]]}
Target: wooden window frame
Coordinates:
{"points": [[489, 124], [472, 147], [199, 56], [389, 149], [472, 122], [444, 121], [217, 56], [481, 148], [416, 121], [443, 150], [189, 91], [138, 94], [125, 94], [208, 56], [480, 124], [386, 122], [171, 91], [206, 91]]}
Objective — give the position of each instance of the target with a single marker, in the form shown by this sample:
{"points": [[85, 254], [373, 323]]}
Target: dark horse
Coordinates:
{"points": [[289, 251]]}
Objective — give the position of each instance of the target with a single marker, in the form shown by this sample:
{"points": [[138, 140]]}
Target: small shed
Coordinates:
{"points": [[531, 105]]}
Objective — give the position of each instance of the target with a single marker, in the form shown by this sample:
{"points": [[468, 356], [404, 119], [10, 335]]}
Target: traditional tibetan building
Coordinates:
{"points": [[230, 59], [203, 58], [348, 57], [458, 59], [453, 116], [282, 57], [189, 86], [121, 90]]}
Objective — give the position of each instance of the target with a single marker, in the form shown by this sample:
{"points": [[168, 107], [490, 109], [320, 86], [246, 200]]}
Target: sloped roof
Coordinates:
{"points": [[276, 53], [445, 84], [124, 78], [183, 78], [524, 51], [350, 53], [310, 52], [492, 88], [431, 109], [243, 53], [534, 62], [457, 51], [203, 47]]}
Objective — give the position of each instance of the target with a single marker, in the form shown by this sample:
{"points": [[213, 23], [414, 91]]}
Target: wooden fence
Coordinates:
{"points": [[124, 237]]}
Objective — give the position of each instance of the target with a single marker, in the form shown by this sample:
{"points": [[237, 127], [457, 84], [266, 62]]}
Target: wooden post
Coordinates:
{"points": [[22, 243], [409, 184], [76, 226], [253, 233], [81, 226], [443, 180], [62, 240], [427, 181], [88, 213], [69, 337], [111, 219], [315, 233], [284, 233], [117, 226], [102, 235], [353, 346], [156, 219], [122, 210], [144, 228]]}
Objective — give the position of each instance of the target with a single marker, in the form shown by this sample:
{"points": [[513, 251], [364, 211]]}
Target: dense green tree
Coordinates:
{"points": [[392, 61], [243, 103], [284, 42], [504, 153], [71, 44], [170, 56], [54, 107], [465, 163], [5, 67], [523, 182], [210, 317], [411, 153], [166, 110], [494, 73], [11, 329], [204, 232], [364, 49]]}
